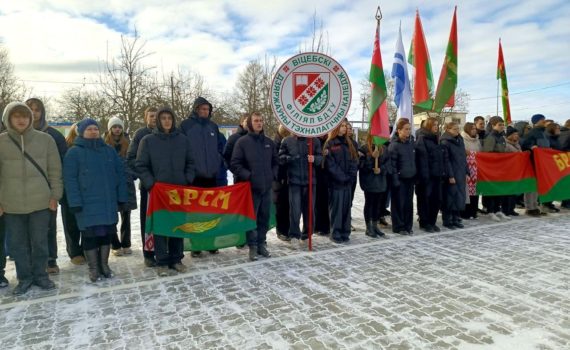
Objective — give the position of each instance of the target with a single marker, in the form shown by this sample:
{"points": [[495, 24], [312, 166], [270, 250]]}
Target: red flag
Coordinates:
{"points": [[423, 76]]}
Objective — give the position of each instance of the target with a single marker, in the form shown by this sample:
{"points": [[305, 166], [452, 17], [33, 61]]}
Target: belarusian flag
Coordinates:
{"points": [[211, 218], [553, 173], [501, 174], [379, 126], [445, 94], [502, 74], [423, 76]]}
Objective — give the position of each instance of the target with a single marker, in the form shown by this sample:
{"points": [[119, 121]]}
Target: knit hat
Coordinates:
{"points": [[115, 121], [511, 130], [536, 118], [82, 125]]}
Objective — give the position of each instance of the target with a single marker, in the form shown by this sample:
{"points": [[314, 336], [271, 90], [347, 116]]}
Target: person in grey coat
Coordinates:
{"points": [[455, 194]]}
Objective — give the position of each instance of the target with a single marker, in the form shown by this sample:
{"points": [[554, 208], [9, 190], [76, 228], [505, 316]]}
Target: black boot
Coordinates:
{"points": [[252, 253], [377, 229], [262, 250], [370, 232], [104, 252], [92, 257]]}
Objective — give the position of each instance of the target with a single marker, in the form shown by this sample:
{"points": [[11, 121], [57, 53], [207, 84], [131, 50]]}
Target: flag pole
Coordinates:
{"points": [[498, 80]]}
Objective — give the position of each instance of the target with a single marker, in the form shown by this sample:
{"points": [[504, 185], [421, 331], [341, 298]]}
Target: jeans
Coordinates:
{"points": [[29, 243], [261, 207], [298, 204], [339, 208], [168, 250]]}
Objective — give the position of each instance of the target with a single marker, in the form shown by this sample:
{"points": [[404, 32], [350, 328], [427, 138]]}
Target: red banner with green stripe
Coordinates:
{"points": [[502, 174], [211, 218], [553, 173], [445, 93]]}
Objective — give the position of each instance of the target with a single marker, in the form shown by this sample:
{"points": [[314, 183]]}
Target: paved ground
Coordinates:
{"points": [[489, 286]]}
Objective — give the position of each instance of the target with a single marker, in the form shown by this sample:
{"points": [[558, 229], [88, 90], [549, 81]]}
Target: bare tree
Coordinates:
{"points": [[10, 88], [126, 82], [319, 38], [77, 103]]}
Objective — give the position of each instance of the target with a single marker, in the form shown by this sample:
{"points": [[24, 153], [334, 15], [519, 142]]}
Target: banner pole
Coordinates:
{"points": [[310, 204]]}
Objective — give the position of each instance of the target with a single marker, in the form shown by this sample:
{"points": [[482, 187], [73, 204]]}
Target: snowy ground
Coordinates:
{"points": [[488, 286]]}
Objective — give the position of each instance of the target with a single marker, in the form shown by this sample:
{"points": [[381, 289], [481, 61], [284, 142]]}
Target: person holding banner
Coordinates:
{"points": [[165, 156], [512, 145], [294, 153], [403, 165], [254, 159], [431, 171], [96, 187], [535, 138], [470, 137], [374, 166], [281, 191], [495, 142], [342, 165]]}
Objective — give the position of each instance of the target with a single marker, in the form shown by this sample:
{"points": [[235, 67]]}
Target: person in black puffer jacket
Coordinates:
{"points": [[455, 176], [431, 171], [374, 167], [150, 120], [403, 165], [254, 159], [294, 153], [166, 156], [535, 138], [341, 162]]}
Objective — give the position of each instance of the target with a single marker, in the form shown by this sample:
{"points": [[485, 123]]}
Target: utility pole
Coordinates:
{"points": [[172, 90]]}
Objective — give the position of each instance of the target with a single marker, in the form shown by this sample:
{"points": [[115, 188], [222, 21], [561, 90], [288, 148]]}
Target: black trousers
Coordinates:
{"points": [[122, 239], [262, 208], [429, 200], [142, 214], [322, 220], [494, 203], [2, 246], [339, 207], [471, 208], [402, 206], [52, 237], [372, 204], [281, 200], [508, 204], [71, 231]]}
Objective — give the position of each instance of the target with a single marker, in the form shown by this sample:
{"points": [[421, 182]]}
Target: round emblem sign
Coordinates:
{"points": [[310, 94]]}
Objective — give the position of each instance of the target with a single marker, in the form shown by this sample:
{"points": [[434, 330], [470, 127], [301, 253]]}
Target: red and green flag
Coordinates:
{"points": [[502, 74], [502, 174], [445, 93], [378, 108], [210, 218], [553, 173], [423, 77]]}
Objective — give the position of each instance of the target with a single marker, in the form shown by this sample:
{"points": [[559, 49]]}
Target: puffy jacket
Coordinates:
{"points": [[494, 142], [402, 159], [564, 138], [23, 189], [229, 148], [94, 181], [370, 182], [342, 169], [293, 153], [255, 160], [429, 156], [205, 145], [535, 137], [133, 150], [554, 141], [165, 157], [457, 168]]}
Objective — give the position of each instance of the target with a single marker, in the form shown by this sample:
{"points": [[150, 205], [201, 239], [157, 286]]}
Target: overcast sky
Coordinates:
{"points": [[53, 43]]}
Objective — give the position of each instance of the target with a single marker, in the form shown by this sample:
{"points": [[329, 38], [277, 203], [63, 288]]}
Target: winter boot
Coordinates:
{"points": [[370, 232], [262, 250], [252, 253], [104, 252], [92, 257], [377, 229]]}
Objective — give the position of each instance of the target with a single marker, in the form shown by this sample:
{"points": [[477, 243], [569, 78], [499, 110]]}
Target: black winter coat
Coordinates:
{"points": [[554, 141], [205, 144], [229, 148], [429, 156], [495, 142], [535, 137], [342, 169], [564, 138], [165, 158], [370, 182], [254, 159], [293, 153], [457, 168], [402, 159], [133, 150]]}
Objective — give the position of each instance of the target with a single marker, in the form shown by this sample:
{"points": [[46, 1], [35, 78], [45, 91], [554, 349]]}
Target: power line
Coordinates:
{"points": [[522, 92], [61, 82]]}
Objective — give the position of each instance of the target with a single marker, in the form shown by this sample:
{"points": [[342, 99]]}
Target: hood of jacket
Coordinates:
{"points": [[447, 136], [199, 101], [521, 126], [42, 124], [11, 107], [159, 129], [241, 131]]}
